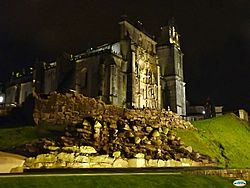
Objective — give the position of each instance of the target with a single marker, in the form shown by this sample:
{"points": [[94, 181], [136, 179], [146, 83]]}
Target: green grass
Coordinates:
{"points": [[15, 137], [144, 181], [225, 138], [11, 137]]}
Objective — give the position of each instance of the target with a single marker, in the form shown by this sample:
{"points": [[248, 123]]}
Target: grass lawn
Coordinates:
{"points": [[17, 136], [225, 138], [144, 181]]}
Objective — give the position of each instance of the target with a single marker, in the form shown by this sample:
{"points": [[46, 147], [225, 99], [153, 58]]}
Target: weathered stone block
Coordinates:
{"points": [[87, 149], [105, 165], [29, 161], [77, 165], [136, 163], [37, 165], [186, 162], [139, 156], [120, 163], [189, 149], [68, 157], [49, 165], [43, 158], [85, 165], [71, 149], [94, 165], [152, 163], [60, 164], [172, 163], [82, 159], [161, 163], [98, 159], [117, 154]]}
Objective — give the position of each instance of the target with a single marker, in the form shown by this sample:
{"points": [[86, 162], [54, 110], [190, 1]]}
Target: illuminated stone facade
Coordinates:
{"points": [[143, 71], [135, 72], [171, 62]]}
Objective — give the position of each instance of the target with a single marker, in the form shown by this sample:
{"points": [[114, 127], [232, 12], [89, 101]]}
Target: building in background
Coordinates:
{"points": [[135, 72], [195, 112], [243, 114], [199, 112], [19, 87], [219, 110]]}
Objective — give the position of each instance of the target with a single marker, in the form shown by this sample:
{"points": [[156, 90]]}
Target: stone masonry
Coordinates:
{"points": [[147, 134]]}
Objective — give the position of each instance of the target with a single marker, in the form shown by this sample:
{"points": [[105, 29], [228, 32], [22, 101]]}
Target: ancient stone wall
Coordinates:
{"points": [[71, 108], [109, 129]]}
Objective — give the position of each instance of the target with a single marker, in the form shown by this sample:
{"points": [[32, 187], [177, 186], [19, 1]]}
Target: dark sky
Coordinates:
{"points": [[215, 38]]}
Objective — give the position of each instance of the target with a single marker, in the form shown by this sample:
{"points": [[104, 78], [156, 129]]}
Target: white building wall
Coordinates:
{"points": [[25, 90], [11, 94]]}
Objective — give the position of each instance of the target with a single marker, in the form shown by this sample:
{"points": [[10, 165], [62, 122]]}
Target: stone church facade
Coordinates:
{"points": [[135, 72]]}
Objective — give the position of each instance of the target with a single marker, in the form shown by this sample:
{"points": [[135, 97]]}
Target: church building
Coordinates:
{"points": [[137, 71]]}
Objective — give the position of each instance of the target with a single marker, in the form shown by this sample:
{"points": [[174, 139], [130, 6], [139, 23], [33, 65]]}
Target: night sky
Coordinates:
{"points": [[215, 38]]}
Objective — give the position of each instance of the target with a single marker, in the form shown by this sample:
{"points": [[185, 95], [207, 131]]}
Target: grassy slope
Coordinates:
{"points": [[11, 137], [225, 138], [15, 137], [173, 181]]}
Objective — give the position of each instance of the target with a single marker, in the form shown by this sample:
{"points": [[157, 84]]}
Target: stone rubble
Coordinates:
{"points": [[137, 137], [62, 159]]}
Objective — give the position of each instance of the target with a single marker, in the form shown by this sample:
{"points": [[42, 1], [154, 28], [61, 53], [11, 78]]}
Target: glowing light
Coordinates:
{"points": [[1, 99], [203, 112]]}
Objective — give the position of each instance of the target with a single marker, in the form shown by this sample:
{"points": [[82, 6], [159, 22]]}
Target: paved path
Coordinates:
{"points": [[105, 172], [9, 161], [89, 174]]}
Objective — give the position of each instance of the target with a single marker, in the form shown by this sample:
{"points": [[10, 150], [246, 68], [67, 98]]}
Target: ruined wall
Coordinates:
{"points": [[109, 129], [72, 108]]}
